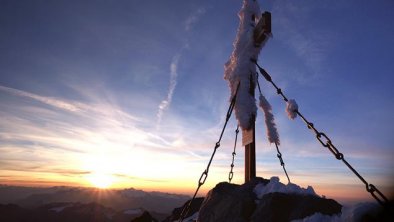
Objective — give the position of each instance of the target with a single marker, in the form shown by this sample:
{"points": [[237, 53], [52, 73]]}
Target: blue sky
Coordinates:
{"points": [[82, 83]]}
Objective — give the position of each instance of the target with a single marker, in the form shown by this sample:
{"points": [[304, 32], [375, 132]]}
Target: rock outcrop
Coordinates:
{"points": [[238, 203], [145, 217], [287, 207], [176, 213]]}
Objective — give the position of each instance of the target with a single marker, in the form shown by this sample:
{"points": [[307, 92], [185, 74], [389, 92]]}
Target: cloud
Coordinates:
{"points": [[193, 19], [311, 44], [190, 21], [97, 123], [60, 104], [173, 81], [138, 178], [74, 143]]}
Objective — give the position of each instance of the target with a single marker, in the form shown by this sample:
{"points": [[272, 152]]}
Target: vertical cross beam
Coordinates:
{"points": [[261, 31], [250, 157]]}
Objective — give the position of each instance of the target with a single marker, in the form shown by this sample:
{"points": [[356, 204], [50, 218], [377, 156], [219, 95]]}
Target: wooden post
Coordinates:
{"points": [[247, 161], [262, 29], [250, 158]]}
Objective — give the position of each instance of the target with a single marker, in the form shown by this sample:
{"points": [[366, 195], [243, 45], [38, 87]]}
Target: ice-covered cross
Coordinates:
{"points": [[252, 34]]}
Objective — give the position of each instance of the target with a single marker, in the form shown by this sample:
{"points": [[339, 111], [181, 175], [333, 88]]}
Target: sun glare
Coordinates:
{"points": [[101, 180]]}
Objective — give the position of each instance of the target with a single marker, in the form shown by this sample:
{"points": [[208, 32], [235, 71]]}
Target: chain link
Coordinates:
{"points": [[231, 173], [279, 155], [282, 163], [204, 174], [326, 142]]}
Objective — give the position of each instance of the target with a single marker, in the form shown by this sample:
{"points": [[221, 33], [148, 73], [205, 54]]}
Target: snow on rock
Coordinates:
{"points": [[351, 213], [60, 209], [133, 211], [272, 132], [275, 186], [232, 202], [239, 68], [192, 218], [291, 109]]}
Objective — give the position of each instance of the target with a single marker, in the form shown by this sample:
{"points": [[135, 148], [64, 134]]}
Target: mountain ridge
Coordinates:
{"points": [[118, 199]]}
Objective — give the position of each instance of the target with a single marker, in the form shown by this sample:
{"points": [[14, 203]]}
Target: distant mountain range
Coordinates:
{"points": [[257, 200], [112, 204], [66, 212]]}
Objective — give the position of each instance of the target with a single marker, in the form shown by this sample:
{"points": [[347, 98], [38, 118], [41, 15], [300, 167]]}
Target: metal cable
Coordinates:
{"points": [[282, 163], [320, 136], [279, 155], [204, 175], [231, 174]]}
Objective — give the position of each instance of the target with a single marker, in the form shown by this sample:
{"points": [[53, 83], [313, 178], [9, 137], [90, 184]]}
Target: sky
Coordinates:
{"points": [[131, 93]]}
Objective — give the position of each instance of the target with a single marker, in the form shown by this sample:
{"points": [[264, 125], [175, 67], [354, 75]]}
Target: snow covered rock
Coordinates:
{"points": [[275, 186], [230, 202], [263, 200], [287, 207], [361, 212]]}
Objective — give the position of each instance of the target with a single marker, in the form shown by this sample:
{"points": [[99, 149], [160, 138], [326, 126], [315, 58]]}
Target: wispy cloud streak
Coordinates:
{"points": [[312, 46], [47, 100], [137, 178], [173, 81], [193, 19], [190, 21], [78, 141]]}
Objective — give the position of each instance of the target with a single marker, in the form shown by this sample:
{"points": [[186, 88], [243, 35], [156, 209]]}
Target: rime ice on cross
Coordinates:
{"points": [[251, 36]]}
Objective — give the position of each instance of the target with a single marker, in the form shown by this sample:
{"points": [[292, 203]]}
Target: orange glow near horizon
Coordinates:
{"points": [[343, 194]]}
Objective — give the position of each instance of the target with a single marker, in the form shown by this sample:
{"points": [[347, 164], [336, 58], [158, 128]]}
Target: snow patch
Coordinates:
{"points": [[272, 132], [275, 186], [60, 209], [291, 109], [349, 214], [133, 211]]}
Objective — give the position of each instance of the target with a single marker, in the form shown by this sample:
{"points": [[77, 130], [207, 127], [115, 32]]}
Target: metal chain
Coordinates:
{"points": [[282, 163], [279, 155], [204, 174], [326, 142], [231, 174]]}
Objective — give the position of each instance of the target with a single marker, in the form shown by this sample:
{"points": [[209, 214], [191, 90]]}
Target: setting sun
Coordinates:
{"points": [[100, 180]]}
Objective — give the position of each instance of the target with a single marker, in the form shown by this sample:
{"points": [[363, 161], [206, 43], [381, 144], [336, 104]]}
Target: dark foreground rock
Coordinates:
{"points": [[176, 213], [230, 202], [287, 207], [145, 217], [237, 203]]}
